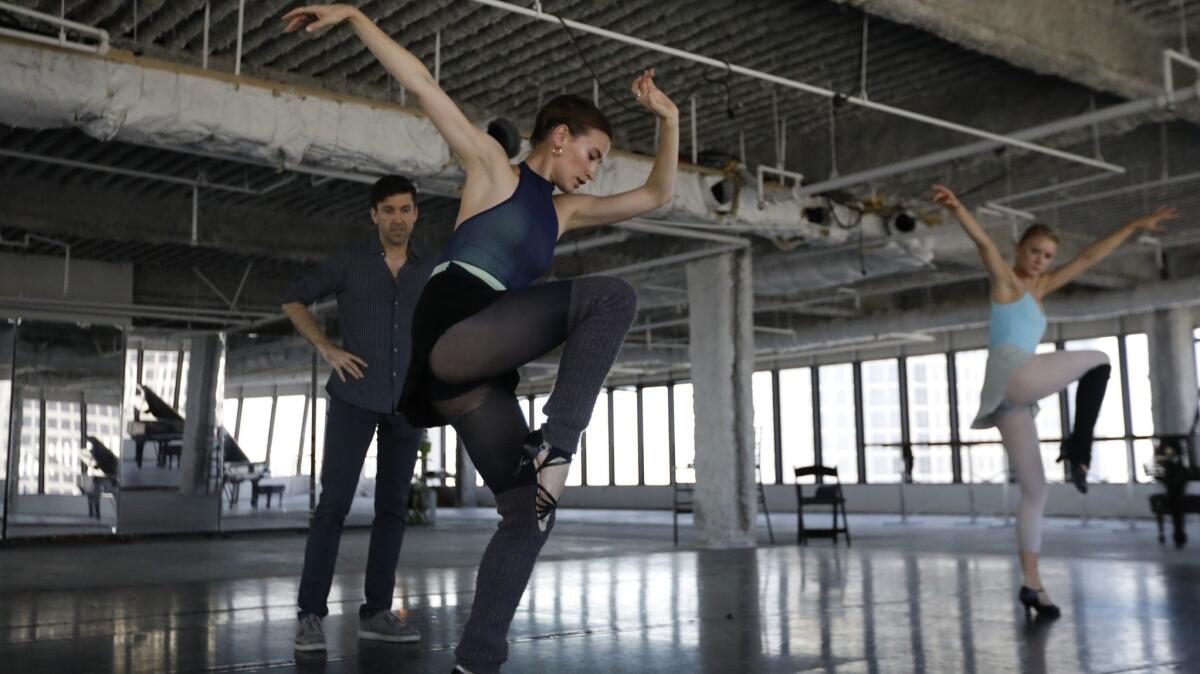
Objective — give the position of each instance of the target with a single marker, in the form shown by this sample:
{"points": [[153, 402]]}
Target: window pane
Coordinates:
{"points": [[1049, 427], [655, 436], [256, 419], [451, 455], [881, 421], [5, 402], [839, 444], [796, 421], [1109, 461], [596, 438], [929, 418], [625, 437], [764, 426], [322, 410], [104, 424], [229, 412], [159, 375], [984, 462], [28, 466], [685, 435], [1141, 402], [285, 440], [63, 442]]}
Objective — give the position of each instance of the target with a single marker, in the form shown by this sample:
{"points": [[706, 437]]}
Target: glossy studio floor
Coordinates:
{"points": [[613, 594]]}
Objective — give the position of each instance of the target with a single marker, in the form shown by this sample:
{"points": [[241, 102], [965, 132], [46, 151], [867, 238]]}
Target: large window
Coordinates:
{"points": [[28, 453], [929, 418], [685, 434], [1109, 459], [796, 421], [839, 437], [881, 421], [285, 438], [1137, 361], [981, 462], [255, 427], [596, 441], [656, 435], [5, 403], [764, 425], [625, 436], [160, 374]]}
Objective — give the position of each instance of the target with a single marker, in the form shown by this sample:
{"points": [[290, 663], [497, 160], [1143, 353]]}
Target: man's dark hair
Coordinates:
{"points": [[391, 185]]}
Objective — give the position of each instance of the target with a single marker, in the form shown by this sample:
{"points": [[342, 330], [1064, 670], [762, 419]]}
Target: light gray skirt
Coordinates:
{"points": [[1002, 362]]}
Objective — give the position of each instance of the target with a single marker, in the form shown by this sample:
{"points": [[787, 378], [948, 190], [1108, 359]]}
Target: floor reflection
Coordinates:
{"points": [[602, 602]]}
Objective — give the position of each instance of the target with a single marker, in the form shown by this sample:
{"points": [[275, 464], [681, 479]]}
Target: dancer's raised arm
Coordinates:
{"points": [[997, 267], [473, 147], [1101, 248], [583, 210]]}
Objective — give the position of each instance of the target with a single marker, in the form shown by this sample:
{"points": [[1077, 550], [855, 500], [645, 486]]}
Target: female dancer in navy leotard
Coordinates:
{"points": [[1017, 377], [479, 318]]}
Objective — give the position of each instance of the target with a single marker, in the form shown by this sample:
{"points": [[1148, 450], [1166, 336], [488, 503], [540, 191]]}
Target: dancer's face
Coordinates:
{"points": [[1035, 255], [580, 158], [394, 216]]}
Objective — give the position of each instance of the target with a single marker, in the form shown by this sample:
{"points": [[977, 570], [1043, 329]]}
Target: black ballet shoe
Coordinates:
{"points": [[1029, 599], [541, 454], [1077, 459]]}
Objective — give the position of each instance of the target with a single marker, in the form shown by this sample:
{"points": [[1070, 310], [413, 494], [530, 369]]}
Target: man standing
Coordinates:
{"points": [[377, 284]]}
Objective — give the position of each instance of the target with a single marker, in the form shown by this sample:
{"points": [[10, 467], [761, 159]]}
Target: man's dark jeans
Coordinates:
{"points": [[348, 433]]}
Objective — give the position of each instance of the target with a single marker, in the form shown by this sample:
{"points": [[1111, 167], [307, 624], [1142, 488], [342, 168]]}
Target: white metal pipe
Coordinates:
{"points": [[669, 260], [647, 227], [237, 59], [1014, 212], [1066, 184], [1111, 113], [619, 236], [1170, 55], [133, 173], [1095, 196], [695, 134], [207, 23], [100, 34], [801, 86]]}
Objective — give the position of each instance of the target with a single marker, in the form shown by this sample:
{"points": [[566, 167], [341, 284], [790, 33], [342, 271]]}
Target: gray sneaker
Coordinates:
{"points": [[387, 626], [310, 636]]}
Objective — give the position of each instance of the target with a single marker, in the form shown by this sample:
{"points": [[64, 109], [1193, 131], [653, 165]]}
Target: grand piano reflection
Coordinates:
{"points": [[99, 470], [165, 430]]}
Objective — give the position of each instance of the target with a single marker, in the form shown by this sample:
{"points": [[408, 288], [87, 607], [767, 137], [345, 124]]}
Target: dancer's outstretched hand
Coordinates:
{"points": [[651, 97], [1149, 222], [316, 17], [944, 196]]}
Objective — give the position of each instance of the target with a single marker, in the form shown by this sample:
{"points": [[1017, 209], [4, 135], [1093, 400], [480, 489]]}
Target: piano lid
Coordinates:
{"points": [[157, 406]]}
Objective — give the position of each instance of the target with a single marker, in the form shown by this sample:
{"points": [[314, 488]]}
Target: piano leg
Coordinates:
{"points": [[139, 449]]}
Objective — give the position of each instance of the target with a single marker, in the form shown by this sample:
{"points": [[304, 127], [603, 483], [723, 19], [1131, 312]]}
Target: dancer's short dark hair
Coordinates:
{"points": [[576, 112], [389, 186]]}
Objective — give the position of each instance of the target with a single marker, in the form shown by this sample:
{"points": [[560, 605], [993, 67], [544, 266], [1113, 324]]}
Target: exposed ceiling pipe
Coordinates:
{"points": [[619, 236], [100, 34], [801, 86], [647, 227], [1112, 113], [146, 175], [1096, 196], [671, 260], [75, 308]]}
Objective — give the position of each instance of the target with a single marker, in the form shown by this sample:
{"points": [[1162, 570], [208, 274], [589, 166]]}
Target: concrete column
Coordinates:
{"points": [[1173, 370], [722, 356], [196, 462]]}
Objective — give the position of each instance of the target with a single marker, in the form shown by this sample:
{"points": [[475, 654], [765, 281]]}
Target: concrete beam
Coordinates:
{"points": [[1101, 45]]}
